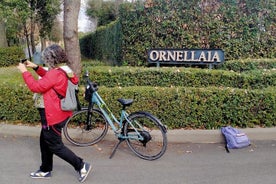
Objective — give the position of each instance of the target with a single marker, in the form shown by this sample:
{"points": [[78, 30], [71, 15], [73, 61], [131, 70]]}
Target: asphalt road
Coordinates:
{"points": [[183, 163]]}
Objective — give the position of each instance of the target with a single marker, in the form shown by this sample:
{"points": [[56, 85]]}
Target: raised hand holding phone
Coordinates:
{"points": [[23, 60], [21, 67]]}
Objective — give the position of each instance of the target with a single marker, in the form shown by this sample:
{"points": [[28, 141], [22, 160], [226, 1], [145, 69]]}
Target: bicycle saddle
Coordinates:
{"points": [[125, 102]]}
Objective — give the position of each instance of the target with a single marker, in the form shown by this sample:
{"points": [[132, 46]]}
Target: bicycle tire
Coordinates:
{"points": [[154, 144], [77, 132]]}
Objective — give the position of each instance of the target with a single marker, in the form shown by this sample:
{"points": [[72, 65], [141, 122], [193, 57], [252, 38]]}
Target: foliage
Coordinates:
{"points": [[177, 107], [21, 17], [16, 104], [104, 44], [248, 65], [206, 108], [180, 97], [104, 11], [10, 55], [15, 14], [46, 12], [177, 76], [242, 30]]}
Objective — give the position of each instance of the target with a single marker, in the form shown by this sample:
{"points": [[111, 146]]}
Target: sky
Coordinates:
{"points": [[84, 24]]}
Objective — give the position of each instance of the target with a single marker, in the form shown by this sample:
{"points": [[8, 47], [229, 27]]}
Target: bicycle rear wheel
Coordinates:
{"points": [[82, 133], [154, 143]]}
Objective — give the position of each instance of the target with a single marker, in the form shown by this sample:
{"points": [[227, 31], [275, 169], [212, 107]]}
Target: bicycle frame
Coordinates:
{"points": [[141, 130], [96, 99]]}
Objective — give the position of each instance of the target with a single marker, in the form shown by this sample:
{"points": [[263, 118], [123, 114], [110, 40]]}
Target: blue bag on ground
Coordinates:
{"points": [[234, 138]]}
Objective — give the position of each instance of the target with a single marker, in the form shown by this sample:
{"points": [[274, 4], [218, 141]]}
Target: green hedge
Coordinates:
{"points": [[180, 97], [240, 29], [248, 65], [10, 55], [16, 104], [104, 44], [177, 107], [212, 107], [174, 76]]}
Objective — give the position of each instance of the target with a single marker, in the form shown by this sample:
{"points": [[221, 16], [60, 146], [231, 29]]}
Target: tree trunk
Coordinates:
{"points": [[70, 34], [43, 43], [3, 38], [32, 37], [28, 42]]}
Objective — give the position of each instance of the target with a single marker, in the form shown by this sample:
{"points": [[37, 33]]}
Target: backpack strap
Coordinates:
{"points": [[59, 95], [225, 142], [226, 148], [60, 69]]}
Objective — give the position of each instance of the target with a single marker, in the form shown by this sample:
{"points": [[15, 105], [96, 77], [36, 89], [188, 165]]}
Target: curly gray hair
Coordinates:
{"points": [[54, 55]]}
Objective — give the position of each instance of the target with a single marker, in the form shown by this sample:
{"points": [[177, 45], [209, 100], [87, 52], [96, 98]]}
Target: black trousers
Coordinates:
{"points": [[51, 143]]}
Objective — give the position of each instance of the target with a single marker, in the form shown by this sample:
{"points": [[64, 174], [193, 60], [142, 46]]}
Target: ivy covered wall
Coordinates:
{"points": [[243, 29]]}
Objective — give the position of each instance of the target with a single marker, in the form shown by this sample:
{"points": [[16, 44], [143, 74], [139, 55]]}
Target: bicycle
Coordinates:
{"points": [[144, 134]]}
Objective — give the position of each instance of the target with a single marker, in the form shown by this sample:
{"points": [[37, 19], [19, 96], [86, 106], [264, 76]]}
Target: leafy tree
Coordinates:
{"points": [[46, 12], [29, 17], [15, 13], [3, 38], [104, 11]]}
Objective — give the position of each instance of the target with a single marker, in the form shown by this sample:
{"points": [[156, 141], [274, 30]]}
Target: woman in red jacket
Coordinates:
{"points": [[53, 117]]}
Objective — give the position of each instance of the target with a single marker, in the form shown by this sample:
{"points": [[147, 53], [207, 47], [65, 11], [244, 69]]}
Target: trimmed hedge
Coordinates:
{"points": [[207, 108], [248, 64], [10, 55], [189, 77], [177, 107], [104, 44], [240, 28], [180, 97]]}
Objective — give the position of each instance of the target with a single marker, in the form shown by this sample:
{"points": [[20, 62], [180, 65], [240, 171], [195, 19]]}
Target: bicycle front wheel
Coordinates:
{"points": [[83, 131], [154, 142]]}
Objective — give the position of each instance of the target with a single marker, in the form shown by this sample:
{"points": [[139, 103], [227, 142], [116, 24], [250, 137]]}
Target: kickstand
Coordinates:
{"points": [[115, 148]]}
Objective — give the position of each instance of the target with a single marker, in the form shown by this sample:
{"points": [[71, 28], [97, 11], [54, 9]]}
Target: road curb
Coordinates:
{"points": [[174, 136], [215, 136]]}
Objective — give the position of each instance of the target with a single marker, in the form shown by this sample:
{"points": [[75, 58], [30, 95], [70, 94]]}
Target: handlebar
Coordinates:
{"points": [[92, 85]]}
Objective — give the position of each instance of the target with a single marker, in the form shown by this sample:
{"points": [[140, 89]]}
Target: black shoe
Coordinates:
{"points": [[84, 172], [40, 174]]}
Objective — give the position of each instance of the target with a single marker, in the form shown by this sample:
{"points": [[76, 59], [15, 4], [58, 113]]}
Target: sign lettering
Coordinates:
{"points": [[186, 56]]}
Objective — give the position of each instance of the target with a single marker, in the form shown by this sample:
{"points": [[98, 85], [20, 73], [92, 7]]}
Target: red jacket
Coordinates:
{"points": [[50, 79]]}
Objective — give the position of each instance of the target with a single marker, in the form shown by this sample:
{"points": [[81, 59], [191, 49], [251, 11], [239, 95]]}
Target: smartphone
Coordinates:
{"points": [[23, 60]]}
